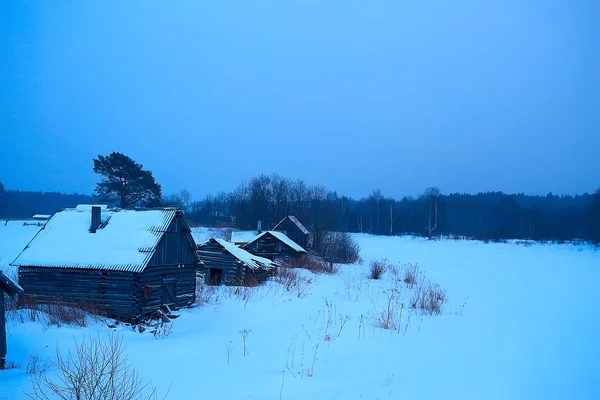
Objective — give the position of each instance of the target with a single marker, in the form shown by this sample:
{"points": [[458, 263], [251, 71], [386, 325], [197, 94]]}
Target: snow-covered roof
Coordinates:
{"points": [[243, 236], [41, 216], [282, 237], [125, 240], [7, 285], [252, 261], [296, 222]]}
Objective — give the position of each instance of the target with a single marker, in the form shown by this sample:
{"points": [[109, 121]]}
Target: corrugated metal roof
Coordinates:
{"points": [[8, 286], [282, 237], [125, 241], [252, 261], [296, 222]]}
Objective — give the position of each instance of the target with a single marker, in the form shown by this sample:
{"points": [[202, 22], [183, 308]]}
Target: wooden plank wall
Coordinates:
{"points": [[266, 247], [110, 291], [292, 231], [213, 255], [152, 278], [177, 245]]}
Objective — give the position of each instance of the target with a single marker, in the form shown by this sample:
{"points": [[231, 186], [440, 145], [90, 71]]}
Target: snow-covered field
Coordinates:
{"points": [[521, 323]]}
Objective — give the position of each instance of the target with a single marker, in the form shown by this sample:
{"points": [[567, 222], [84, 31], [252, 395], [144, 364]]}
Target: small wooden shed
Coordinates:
{"points": [[8, 287], [225, 263], [275, 246], [124, 263], [294, 229]]}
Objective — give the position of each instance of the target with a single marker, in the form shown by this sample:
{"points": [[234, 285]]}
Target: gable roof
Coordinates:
{"points": [[250, 260], [8, 286], [296, 222], [125, 241], [281, 237]]}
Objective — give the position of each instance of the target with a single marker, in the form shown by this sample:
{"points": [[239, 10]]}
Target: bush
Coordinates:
{"points": [[377, 269], [337, 247], [97, 369]]}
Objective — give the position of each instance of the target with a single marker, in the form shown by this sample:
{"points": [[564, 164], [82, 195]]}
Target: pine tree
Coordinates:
{"points": [[125, 182]]}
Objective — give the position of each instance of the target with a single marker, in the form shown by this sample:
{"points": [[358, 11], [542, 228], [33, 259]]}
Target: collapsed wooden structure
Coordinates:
{"points": [[8, 287], [126, 264], [225, 263]]}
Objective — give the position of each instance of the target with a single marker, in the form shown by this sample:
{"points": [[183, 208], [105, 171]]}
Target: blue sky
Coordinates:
{"points": [[355, 95]]}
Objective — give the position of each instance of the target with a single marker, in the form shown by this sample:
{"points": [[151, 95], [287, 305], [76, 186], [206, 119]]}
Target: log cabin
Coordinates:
{"points": [[275, 246], [225, 263], [295, 230], [10, 288], [125, 263]]}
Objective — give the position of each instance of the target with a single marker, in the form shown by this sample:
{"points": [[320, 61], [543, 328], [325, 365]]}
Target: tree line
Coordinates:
{"points": [[17, 204], [269, 198], [488, 216]]}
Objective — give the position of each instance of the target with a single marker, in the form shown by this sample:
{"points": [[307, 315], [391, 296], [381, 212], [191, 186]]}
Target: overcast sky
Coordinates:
{"points": [[355, 95]]}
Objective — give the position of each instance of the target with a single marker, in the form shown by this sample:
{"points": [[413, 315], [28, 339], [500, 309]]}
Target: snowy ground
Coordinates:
{"points": [[521, 323]]}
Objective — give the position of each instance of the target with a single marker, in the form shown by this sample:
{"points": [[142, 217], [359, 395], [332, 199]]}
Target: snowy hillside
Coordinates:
{"points": [[521, 323]]}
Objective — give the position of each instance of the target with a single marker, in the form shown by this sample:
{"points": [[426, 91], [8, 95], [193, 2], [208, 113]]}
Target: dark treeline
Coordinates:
{"points": [[492, 215], [16, 204]]}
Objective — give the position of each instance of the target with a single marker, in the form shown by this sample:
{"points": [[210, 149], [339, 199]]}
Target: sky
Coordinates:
{"points": [[467, 96]]}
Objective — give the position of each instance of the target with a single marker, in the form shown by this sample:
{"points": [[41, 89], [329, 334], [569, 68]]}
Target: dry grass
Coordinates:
{"points": [[429, 298], [292, 281], [56, 312], [205, 294], [314, 263], [412, 275]]}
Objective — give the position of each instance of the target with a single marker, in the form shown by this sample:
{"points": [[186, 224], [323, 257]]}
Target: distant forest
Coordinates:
{"points": [[487, 216], [17, 204], [269, 198]]}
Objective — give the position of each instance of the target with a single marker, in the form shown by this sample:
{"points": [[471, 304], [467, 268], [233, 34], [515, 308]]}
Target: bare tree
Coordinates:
{"points": [[96, 369], [432, 196]]}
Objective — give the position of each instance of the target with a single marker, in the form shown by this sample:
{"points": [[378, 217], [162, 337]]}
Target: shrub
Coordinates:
{"points": [[337, 247], [377, 269], [96, 369]]}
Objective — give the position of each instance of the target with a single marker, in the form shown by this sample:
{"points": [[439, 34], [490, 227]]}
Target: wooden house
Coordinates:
{"points": [[294, 229], [10, 288], [225, 263], [275, 246], [125, 263]]}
